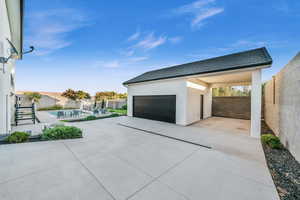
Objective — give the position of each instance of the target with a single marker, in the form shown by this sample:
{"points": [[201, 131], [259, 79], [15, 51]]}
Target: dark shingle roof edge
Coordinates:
{"points": [[241, 60]]}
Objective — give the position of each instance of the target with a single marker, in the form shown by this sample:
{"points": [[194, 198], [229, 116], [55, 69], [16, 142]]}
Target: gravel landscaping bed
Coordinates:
{"points": [[285, 170]]}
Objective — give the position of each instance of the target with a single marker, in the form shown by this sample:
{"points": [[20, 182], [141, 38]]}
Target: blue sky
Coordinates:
{"points": [[96, 45]]}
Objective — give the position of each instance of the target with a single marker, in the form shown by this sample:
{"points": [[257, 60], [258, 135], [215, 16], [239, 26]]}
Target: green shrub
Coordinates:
{"points": [[18, 137], [119, 111], [113, 115], [272, 141], [91, 117], [56, 107], [124, 107], [61, 132]]}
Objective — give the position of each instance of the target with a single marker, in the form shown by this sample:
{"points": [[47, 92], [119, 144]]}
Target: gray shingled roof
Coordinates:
{"points": [[245, 59]]}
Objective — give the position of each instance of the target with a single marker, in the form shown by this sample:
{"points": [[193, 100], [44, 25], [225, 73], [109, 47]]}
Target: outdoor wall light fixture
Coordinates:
{"points": [[13, 54]]}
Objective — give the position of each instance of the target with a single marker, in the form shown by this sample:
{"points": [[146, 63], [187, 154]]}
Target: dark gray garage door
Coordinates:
{"points": [[156, 107]]}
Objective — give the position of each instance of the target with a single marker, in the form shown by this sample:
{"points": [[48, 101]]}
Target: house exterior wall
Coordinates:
{"points": [[7, 75], [283, 114], [194, 104], [187, 98], [164, 87]]}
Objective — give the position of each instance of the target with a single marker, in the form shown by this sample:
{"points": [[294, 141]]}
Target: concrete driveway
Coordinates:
{"points": [[117, 162]]}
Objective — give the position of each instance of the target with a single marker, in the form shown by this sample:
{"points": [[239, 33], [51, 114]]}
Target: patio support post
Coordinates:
{"points": [[256, 94]]}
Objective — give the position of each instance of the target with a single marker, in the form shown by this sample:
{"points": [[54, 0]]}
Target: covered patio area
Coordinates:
{"points": [[200, 96]]}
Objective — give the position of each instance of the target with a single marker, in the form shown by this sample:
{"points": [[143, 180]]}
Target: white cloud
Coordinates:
{"points": [[175, 40], [141, 42], [189, 8], [205, 14], [199, 10], [137, 59], [134, 36], [49, 30], [150, 42], [118, 62]]}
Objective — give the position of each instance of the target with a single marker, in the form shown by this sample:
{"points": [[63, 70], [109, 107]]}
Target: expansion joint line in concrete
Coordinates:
{"points": [[166, 136]]}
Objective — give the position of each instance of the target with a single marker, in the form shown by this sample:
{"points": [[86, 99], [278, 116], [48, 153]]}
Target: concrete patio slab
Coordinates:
{"points": [[116, 162], [212, 178], [233, 139], [155, 158], [69, 181], [17, 160], [120, 178], [157, 190]]}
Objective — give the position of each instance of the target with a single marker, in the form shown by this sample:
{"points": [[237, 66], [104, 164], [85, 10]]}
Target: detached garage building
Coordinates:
{"points": [[182, 94]]}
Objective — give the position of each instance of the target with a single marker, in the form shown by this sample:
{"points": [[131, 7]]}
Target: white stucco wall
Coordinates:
{"points": [[256, 93], [6, 88], [164, 87], [194, 104], [208, 103], [188, 101]]}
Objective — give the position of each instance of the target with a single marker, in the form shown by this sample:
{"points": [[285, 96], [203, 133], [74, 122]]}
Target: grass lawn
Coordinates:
{"points": [[119, 111]]}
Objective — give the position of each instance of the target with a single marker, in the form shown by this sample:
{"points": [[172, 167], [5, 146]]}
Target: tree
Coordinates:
{"points": [[34, 97], [110, 95], [76, 95], [231, 91], [105, 95], [122, 95], [82, 95], [70, 94]]}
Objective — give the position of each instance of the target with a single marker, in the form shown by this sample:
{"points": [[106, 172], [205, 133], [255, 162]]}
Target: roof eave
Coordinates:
{"points": [[21, 27], [15, 11]]}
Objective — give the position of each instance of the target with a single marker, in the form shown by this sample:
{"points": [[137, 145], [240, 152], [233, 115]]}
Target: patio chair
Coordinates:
{"points": [[60, 114], [76, 113], [96, 112], [103, 111]]}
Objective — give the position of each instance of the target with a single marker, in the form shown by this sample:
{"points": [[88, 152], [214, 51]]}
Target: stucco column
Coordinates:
{"points": [[129, 102], [256, 90]]}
